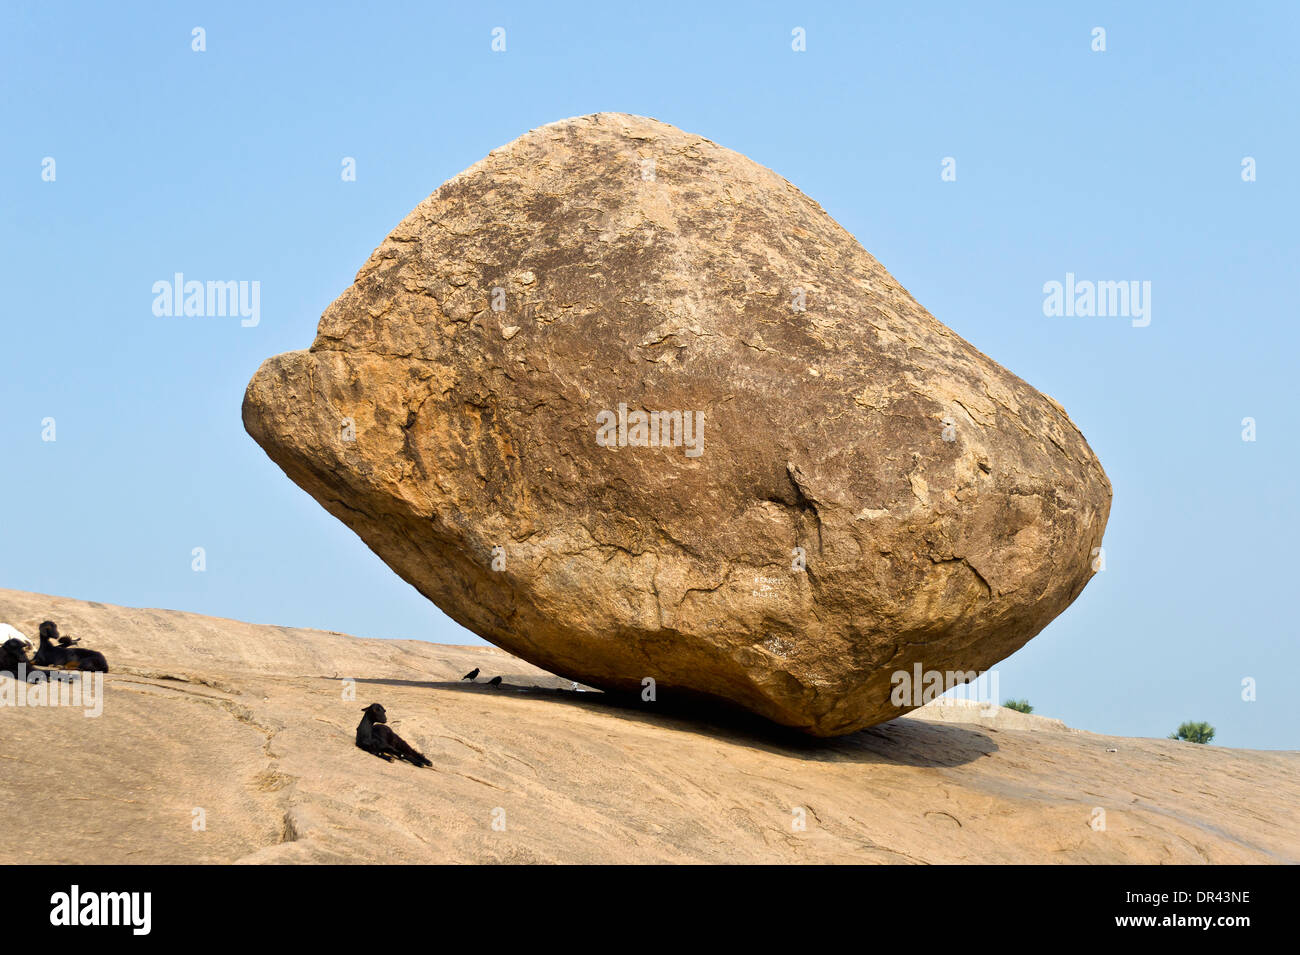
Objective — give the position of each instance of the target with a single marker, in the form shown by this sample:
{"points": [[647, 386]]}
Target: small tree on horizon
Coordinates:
{"points": [[1194, 732], [1020, 706]]}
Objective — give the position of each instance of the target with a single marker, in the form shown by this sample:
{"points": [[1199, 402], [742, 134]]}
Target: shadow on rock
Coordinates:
{"points": [[902, 742]]}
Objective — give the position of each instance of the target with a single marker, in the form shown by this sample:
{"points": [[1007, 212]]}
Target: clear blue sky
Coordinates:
{"points": [[225, 164]]}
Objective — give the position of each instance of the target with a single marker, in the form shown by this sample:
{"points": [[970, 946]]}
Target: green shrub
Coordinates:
{"points": [[1193, 732], [1020, 706]]}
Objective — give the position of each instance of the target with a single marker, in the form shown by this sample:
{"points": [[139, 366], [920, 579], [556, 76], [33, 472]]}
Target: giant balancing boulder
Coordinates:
{"points": [[632, 406]]}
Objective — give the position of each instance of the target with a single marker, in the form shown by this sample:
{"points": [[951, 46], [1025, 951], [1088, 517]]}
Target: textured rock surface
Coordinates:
{"points": [[450, 403], [249, 723]]}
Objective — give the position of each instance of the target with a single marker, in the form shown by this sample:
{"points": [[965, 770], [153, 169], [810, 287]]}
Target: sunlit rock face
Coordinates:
{"points": [[633, 407]]}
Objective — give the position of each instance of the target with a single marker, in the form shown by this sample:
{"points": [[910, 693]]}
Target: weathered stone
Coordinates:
{"points": [[450, 412]]}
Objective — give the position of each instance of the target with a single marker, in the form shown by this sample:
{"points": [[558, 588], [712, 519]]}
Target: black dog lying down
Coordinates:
{"points": [[374, 737], [59, 653]]}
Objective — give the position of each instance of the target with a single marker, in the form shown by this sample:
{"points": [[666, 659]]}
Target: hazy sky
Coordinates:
{"points": [[1122, 165]]}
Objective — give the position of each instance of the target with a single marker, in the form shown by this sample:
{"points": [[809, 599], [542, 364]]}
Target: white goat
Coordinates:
{"points": [[7, 632]]}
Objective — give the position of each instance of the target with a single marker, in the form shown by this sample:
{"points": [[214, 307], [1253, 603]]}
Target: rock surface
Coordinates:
{"points": [[251, 724], [865, 490]]}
